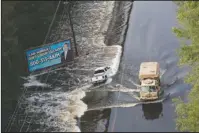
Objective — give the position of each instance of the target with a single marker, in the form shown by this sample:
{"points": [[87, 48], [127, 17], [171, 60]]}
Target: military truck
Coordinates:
{"points": [[149, 76]]}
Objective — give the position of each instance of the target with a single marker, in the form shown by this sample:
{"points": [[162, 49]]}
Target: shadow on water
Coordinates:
{"points": [[152, 111], [96, 120]]}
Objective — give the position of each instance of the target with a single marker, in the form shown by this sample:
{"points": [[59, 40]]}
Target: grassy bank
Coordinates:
{"points": [[188, 17]]}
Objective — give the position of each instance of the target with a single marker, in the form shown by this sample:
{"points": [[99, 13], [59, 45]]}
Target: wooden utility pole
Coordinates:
{"points": [[71, 24]]}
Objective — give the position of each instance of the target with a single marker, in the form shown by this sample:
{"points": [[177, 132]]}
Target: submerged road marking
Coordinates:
{"points": [[117, 101]]}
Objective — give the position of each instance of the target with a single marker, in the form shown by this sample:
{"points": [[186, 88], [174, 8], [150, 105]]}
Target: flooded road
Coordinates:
{"points": [[51, 100], [149, 38], [48, 104]]}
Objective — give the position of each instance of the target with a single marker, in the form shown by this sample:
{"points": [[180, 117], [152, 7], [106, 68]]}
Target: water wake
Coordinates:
{"points": [[112, 89], [33, 82], [127, 104], [117, 105]]}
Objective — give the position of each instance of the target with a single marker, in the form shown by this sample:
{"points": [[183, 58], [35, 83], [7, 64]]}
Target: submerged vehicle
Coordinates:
{"points": [[101, 75], [149, 76]]}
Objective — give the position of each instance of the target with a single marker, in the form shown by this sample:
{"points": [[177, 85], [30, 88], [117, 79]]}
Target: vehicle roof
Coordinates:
{"points": [[148, 82], [99, 68]]}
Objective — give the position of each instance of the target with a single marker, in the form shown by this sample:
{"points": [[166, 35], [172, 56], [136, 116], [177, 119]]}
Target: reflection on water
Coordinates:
{"points": [[97, 121], [152, 111]]}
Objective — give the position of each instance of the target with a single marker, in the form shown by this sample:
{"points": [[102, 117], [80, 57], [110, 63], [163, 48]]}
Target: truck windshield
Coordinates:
{"points": [[98, 71], [145, 89]]}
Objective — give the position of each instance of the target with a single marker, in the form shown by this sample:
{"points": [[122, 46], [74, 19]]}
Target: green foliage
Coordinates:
{"points": [[188, 17]]}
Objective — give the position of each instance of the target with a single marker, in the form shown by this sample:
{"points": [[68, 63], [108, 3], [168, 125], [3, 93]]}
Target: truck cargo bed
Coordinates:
{"points": [[149, 70]]}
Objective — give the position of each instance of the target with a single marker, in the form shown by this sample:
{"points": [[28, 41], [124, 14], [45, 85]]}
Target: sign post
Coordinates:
{"points": [[71, 24]]}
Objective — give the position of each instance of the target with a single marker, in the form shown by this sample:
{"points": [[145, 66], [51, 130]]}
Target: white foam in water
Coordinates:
{"points": [[108, 81], [116, 61], [59, 109], [83, 88], [33, 82], [101, 125], [118, 87], [77, 95], [57, 88], [79, 69], [127, 105], [134, 83], [162, 71], [118, 105]]}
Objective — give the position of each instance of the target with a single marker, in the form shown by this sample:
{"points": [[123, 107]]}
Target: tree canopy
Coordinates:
{"points": [[188, 18]]}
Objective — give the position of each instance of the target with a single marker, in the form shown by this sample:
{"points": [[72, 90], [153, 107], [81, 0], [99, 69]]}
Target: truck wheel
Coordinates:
{"points": [[139, 82]]}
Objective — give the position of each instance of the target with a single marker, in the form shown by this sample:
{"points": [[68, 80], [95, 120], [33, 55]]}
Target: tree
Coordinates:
{"points": [[188, 16]]}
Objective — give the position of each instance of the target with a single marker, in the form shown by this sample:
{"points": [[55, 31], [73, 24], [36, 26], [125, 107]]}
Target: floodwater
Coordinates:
{"points": [[149, 38], [47, 104], [24, 25], [43, 101]]}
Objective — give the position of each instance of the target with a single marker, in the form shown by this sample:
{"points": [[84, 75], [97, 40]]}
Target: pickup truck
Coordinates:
{"points": [[101, 75]]}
